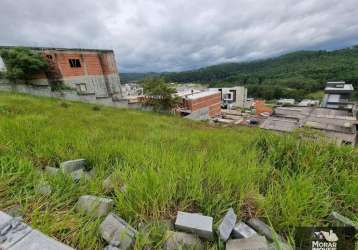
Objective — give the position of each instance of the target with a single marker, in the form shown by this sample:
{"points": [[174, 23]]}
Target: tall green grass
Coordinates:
{"points": [[167, 164]]}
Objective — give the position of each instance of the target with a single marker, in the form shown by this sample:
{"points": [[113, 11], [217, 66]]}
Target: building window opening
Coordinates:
{"points": [[75, 63], [49, 57]]}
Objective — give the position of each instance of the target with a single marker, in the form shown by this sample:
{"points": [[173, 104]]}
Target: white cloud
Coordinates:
{"points": [[151, 35]]}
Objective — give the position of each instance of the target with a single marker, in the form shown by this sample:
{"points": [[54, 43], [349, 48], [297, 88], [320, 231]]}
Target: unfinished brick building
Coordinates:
{"points": [[202, 105], [89, 71]]}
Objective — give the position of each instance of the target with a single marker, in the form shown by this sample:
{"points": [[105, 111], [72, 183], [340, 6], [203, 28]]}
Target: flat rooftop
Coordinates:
{"points": [[57, 49], [202, 94]]}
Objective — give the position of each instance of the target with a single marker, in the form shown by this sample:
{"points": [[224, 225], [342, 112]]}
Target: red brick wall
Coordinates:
{"points": [[108, 63], [213, 102], [64, 65]]}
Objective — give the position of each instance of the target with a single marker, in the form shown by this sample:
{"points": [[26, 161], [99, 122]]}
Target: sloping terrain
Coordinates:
{"points": [[167, 164]]}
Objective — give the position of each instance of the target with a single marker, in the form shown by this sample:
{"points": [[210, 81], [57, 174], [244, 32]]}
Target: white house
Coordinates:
{"points": [[2, 65], [233, 96]]}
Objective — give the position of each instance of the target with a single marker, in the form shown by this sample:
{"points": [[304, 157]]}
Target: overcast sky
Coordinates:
{"points": [[173, 35]]}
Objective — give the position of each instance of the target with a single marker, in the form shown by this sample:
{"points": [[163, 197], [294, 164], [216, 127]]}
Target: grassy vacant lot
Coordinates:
{"points": [[168, 164]]}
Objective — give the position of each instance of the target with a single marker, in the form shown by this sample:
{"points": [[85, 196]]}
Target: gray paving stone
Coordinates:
{"points": [[252, 243], [342, 220], [180, 240], [51, 170], [115, 228], [263, 229], [241, 230], [279, 246], [73, 165], [4, 218], [227, 225], [195, 223], [94, 206]]}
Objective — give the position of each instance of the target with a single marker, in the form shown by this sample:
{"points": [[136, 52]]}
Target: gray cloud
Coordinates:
{"points": [[152, 35]]}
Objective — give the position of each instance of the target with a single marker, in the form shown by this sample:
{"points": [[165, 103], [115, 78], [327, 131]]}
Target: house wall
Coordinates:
{"points": [[98, 71], [212, 102]]}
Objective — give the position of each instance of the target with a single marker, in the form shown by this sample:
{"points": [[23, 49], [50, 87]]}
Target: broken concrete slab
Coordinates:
{"points": [[242, 230], [342, 220], [180, 240], [115, 228], [252, 243], [73, 165], [51, 170], [16, 235], [4, 218], [38, 241], [94, 206], [264, 229], [43, 188], [195, 223], [227, 225]]}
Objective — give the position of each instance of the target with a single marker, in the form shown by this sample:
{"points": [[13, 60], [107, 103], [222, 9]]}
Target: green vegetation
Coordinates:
{"points": [[293, 75], [168, 164], [22, 63], [160, 93]]}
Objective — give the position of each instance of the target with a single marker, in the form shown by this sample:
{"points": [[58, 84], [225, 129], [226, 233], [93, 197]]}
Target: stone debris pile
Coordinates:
{"points": [[253, 235]]}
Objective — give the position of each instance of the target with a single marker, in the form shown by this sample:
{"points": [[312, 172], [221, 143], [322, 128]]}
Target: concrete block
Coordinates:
{"points": [[263, 229], [94, 206], [115, 228], [79, 174], [38, 241], [179, 240], [51, 170], [227, 225], [4, 218], [343, 221], [279, 246], [73, 165], [252, 243], [195, 223], [241, 230]]}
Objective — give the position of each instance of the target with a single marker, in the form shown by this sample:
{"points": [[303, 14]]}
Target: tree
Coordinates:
{"points": [[160, 95], [22, 63]]}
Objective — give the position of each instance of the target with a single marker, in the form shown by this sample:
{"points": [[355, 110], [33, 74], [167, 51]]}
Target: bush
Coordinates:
{"points": [[22, 63]]}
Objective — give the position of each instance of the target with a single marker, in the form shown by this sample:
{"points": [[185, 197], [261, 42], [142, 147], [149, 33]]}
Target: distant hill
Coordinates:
{"points": [[131, 77], [294, 75]]}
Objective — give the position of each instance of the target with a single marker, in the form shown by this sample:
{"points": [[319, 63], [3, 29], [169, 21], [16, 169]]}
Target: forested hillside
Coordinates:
{"points": [[295, 75]]}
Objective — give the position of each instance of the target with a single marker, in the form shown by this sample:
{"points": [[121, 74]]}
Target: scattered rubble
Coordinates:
{"points": [[115, 228], [180, 240], [341, 220], [263, 229], [15, 235], [227, 225], [252, 243], [242, 230], [195, 223], [94, 206], [73, 165]]}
